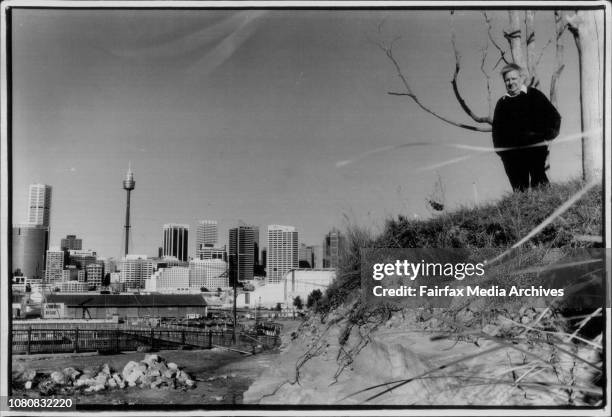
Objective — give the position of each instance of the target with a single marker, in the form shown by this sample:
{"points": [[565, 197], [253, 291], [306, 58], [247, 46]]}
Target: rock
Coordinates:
{"points": [[182, 376], [146, 380], [28, 374], [95, 388], [133, 372], [84, 380], [28, 385], [47, 387], [218, 398], [143, 348], [118, 381], [152, 359], [71, 373], [101, 379], [106, 369], [190, 383], [172, 366], [58, 377], [156, 383], [112, 383]]}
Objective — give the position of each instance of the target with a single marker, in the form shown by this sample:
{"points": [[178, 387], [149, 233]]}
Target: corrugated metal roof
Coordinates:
{"points": [[124, 300]]}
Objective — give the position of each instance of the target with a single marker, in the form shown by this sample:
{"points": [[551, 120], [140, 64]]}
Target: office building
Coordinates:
{"points": [[174, 279], [175, 242], [212, 253], [81, 258], [333, 247], [282, 252], [306, 256], [54, 266], [241, 252], [208, 273], [39, 205], [70, 242], [135, 269], [30, 243], [95, 273], [206, 235]]}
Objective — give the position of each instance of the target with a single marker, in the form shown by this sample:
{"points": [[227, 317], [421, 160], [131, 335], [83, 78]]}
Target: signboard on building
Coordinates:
{"points": [[53, 311]]}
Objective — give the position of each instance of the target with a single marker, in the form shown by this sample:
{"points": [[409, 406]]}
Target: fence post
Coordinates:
{"points": [[117, 340], [28, 351], [209, 339], [76, 339], [183, 337], [152, 338]]}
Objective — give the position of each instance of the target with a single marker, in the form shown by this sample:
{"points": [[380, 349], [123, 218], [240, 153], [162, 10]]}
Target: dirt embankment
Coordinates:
{"points": [[336, 363]]}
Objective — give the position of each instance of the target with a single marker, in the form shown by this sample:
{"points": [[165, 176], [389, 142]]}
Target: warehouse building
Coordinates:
{"points": [[125, 306]]}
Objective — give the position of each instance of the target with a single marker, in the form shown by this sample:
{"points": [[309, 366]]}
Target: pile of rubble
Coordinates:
{"points": [[151, 372]]}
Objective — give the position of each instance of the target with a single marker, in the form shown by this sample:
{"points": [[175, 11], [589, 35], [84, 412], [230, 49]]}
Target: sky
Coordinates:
{"points": [[259, 116]]}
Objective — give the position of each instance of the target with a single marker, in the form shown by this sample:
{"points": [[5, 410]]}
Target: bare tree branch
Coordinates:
{"points": [[560, 26], [488, 76], [541, 54], [388, 50], [502, 52], [460, 99]]}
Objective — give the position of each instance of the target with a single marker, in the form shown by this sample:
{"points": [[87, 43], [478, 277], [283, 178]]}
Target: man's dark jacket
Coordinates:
{"points": [[525, 119]]}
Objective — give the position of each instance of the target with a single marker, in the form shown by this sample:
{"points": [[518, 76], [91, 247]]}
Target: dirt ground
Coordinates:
{"points": [[222, 376]]}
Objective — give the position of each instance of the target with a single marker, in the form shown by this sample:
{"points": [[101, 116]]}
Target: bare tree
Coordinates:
{"points": [[587, 26], [521, 49]]}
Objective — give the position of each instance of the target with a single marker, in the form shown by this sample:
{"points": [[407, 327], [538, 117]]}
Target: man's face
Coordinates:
{"points": [[513, 82]]}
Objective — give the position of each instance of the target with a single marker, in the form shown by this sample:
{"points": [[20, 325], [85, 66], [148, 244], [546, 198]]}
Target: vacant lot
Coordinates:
{"points": [[222, 376]]}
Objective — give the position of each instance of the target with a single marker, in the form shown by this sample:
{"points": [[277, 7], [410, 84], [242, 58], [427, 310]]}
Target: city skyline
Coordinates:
{"points": [[253, 115]]}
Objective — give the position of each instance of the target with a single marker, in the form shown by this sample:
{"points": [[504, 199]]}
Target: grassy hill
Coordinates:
{"points": [[495, 225]]}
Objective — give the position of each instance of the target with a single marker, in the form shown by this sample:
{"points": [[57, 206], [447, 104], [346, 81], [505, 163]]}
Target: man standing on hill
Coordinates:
{"points": [[523, 117]]}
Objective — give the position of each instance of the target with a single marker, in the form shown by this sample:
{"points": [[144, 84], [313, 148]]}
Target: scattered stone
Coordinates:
{"points": [[106, 369], [28, 374], [58, 377], [28, 385], [47, 387], [152, 359], [133, 372], [173, 366], [84, 380], [71, 373]]}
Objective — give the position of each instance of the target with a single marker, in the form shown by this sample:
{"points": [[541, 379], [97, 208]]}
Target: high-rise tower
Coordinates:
{"points": [[241, 252], [176, 238], [39, 207], [128, 185], [282, 251]]}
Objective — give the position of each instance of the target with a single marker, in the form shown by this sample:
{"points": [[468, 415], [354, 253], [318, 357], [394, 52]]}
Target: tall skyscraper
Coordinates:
{"points": [[282, 251], [241, 252], [39, 205], [128, 185], [333, 247], [70, 242], [206, 234], [55, 265], [30, 243], [175, 242]]}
